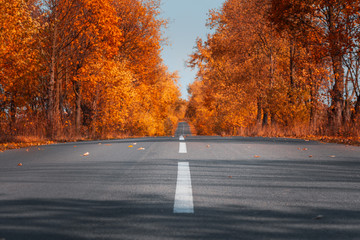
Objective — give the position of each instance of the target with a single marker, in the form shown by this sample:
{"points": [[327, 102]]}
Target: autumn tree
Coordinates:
{"points": [[329, 30], [252, 76], [93, 68], [18, 61]]}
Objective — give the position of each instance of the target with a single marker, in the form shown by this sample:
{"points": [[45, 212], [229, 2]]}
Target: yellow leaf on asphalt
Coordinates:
{"points": [[141, 148], [86, 154]]}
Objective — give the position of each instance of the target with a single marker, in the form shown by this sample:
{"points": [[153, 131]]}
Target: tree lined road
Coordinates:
{"points": [[242, 188]]}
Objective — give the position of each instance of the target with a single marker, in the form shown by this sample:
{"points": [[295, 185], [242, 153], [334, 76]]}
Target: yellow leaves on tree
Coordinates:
{"points": [[93, 68], [18, 60]]}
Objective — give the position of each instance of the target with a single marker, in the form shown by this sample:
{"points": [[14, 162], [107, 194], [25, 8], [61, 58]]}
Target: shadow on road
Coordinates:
{"points": [[36, 219]]}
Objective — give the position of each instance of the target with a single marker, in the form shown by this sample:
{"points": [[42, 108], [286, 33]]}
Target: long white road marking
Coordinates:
{"points": [[182, 147], [183, 195]]}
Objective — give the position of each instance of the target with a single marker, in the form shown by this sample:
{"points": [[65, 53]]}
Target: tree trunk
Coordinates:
{"points": [[336, 53], [356, 114], [12, 115], [77, 107], [265, 120], [291, 68], [337, 103], [259, 112], [53, 108]]}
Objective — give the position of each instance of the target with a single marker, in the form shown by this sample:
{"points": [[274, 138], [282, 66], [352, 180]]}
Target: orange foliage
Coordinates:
{"points": [[278, 64], [74, 68]]}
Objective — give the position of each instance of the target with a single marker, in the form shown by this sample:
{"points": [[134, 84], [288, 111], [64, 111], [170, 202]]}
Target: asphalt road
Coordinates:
{"points": [[242, 188]]}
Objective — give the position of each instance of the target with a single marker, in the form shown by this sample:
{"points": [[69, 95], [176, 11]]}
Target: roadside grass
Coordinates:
{"points": [[16, 142]]}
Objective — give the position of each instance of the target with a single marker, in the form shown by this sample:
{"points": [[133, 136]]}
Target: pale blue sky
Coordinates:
{"points": [[187, 20]]}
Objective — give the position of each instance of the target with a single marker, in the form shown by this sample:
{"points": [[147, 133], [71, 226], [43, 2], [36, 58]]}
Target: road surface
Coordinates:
{"points": [[194, 188]]}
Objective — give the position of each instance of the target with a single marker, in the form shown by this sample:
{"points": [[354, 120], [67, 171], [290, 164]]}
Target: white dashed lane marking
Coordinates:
{"points": [[182, 145], [183, 195]]}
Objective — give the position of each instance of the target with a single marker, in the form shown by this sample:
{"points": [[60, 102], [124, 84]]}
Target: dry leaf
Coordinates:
{"points": [[208, 146], [134, 143], [256, 156], [20, 164], [332, 156], [130, 146], [86, 154], [230, 176], [305, 149], [310, 156], [141, 148]]}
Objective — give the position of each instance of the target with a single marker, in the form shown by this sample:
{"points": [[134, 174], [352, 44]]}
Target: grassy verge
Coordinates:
{"points": [[22, 142]]}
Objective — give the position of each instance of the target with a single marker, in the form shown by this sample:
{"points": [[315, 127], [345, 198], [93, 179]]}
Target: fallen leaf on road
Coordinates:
{"points": [[134, 143], [130, 146], [75, 146], [108, 144], [141, 148], [310, 156], [230, 176], [86, 154], [208, 146], [299, 148], [256, 156], [20, 164], [305, 149], [332, 156]]}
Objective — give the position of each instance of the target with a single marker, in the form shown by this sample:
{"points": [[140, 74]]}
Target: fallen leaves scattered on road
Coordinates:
{"points": [[86, 154]]}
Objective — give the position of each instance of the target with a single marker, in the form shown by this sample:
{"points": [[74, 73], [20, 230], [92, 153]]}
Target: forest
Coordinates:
{"points": [[90, 69], [73, 69], [278, 68]]}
